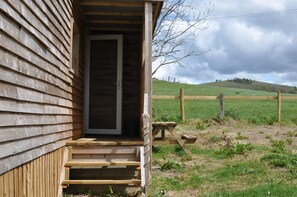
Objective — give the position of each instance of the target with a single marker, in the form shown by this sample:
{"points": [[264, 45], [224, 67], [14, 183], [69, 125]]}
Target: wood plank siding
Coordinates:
{"points": [[41, 95], [30, 179]]}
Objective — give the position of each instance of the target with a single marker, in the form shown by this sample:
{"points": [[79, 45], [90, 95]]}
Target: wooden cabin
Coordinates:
{"points": [[75, 95]]}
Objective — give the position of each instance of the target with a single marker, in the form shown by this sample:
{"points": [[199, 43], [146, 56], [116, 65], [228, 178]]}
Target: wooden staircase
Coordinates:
{"points": [[102, 164]]}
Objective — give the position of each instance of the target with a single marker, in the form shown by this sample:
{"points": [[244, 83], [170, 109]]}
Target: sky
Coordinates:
{"points": [[258, 48]]}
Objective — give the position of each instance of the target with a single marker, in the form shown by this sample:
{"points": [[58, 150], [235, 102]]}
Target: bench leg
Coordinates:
{"points": [[163, 134]]}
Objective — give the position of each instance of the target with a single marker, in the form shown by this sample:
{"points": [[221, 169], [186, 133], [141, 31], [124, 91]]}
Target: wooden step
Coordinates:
{"points": [[102, 182], [101, 163], [100, 142]]}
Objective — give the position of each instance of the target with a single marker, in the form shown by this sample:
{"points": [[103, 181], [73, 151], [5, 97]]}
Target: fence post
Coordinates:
{"points": [[279, 107], [222, 106], [182, 105]]}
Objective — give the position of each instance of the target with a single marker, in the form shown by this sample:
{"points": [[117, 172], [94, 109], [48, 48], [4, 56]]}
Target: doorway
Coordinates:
{"points": [[103, 85]]}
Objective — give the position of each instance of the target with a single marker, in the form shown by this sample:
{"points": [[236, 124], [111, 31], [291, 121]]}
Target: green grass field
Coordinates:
{"points": [[258, 112]]}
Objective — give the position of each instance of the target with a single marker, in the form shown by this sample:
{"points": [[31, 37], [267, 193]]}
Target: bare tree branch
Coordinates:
{"points": [[177, 27]]}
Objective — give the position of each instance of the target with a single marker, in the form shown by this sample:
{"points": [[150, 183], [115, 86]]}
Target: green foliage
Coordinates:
{"points": [[241, 168], [240, 137], [214, 139], [201, 125], [159, 115], [267, 190], [231, 113], [237, 149], [279, 156], [171, 165], [263, 120]]}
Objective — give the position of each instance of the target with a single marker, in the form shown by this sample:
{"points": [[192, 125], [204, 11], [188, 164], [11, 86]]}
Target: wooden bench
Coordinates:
{"points": [[176, 139]]}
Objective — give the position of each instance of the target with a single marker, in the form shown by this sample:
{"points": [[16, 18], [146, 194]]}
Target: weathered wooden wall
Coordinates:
{"points": [[32, 178], [40, 95]]}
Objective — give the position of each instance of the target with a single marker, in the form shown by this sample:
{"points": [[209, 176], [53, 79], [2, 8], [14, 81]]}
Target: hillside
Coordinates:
{"points": [[253, 85], [212, 89]]}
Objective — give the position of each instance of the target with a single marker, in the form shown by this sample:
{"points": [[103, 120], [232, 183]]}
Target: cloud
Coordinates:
{"points": [[261, 48]]}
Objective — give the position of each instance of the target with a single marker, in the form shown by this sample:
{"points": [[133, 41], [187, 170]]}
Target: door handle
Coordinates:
{"points": [[119, 84]]}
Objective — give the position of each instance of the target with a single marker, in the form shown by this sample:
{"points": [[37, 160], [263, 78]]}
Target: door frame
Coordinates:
{"points": [[118, 83]]}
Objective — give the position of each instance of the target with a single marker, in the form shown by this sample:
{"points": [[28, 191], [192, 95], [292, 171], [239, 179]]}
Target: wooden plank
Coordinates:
{"points": [[11, 183], [250, 98], [100, 163], [27, 156], [169, 141], [14, 63], [165, 97], [17, 133], [14, 119], [64, 154], [111, 4], [102, 182], [28, 39], [2, 185], [105, 143], [289, 98], [115, 29], [59, 39], [182, 105], [6, 184], [34, 58], [104, 150], [221, 106], [279, 107], [16, 181], [102, 13], [129, 22], [64, 24]]}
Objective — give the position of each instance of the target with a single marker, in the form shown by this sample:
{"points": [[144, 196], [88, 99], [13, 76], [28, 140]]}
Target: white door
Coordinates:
{"points": [[103, 85]]}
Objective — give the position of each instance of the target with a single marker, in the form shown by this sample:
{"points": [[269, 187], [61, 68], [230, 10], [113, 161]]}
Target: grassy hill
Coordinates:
{"points": [[253, 85], [211, 89]]}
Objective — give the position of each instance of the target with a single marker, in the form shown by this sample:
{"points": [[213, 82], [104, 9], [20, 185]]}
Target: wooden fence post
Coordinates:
{"points": [[182, 105], [222, 106], [279, 107]]}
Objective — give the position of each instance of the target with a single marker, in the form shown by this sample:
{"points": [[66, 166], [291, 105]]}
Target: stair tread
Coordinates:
{"points": [[102, 182], [102, 163], [98, 142]]}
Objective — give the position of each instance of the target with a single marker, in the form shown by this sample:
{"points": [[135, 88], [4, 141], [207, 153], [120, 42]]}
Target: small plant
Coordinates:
{"points": [[279, 146], [200, 125], [171, 165], [214, 139], [292, 134], [289, 141], [237, 149], [232, 114], [240, 137], [268, 137]]}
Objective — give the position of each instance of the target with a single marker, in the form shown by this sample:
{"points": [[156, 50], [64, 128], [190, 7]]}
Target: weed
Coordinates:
{"points": [[232, 114], [268, 137], [187, 157], [171, 165], [201, 125], [214, 139], [289, 141], [292, 134], [268, 190], [279, 146], [261, 132], [237, 149], [262, 120], [241, 168], [240, 137]]}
